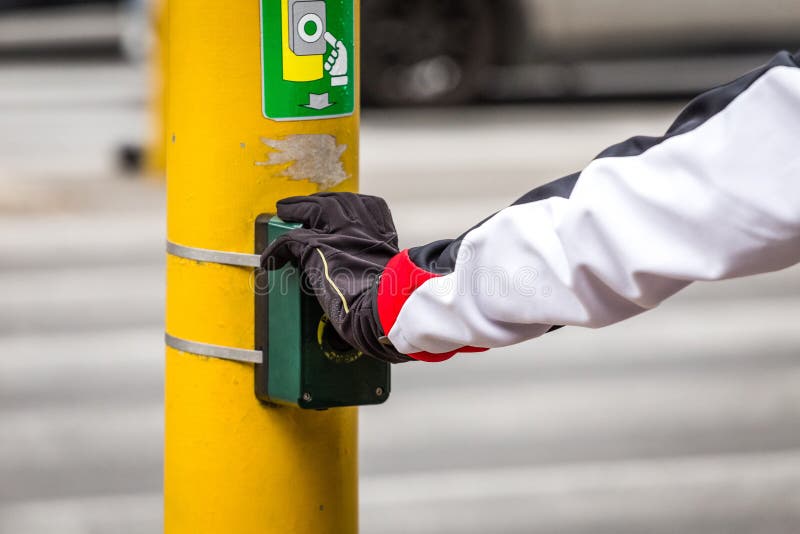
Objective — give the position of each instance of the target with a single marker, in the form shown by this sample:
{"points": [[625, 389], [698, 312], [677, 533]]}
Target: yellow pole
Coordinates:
{"points": [[232, 464]]}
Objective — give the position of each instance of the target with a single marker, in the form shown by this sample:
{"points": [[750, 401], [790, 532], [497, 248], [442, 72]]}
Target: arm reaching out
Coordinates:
{"points": [[718, 196]]}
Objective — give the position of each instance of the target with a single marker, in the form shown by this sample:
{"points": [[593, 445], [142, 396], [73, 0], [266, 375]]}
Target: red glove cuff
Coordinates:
{"points": [[399, 280]]}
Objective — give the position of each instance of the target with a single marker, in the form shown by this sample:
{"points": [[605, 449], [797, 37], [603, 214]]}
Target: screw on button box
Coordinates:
{"points": [[306, 363]]}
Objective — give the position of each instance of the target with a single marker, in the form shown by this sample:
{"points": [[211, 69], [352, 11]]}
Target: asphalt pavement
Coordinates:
{"points": [[685, 419]]}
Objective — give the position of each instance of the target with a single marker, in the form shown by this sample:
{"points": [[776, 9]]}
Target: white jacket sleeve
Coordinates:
{"points": [[717, 197]]}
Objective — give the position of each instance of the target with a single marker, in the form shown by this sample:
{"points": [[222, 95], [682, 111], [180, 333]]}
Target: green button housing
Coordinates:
{"points": [[306, 363]]}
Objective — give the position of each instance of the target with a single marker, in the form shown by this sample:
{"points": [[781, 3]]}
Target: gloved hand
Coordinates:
{"points": [[343, 247]]}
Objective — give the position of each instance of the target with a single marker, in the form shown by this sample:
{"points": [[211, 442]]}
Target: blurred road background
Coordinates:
{"points": [[686, 419]]}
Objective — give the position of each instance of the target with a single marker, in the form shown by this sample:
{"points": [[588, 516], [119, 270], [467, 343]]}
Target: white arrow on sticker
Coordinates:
{"points": [[316, 101]]}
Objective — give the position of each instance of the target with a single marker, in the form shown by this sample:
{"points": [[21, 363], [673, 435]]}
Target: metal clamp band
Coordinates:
{"points": [[213, 351], [237, 259]]}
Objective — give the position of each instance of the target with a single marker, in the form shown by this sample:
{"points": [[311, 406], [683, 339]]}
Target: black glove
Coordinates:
{"points": [[343, 247]]}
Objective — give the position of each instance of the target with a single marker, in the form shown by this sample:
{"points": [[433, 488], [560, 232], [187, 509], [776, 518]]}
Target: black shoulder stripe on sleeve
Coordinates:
{"points": [[439, 257], [699, 110], [559, 188]]}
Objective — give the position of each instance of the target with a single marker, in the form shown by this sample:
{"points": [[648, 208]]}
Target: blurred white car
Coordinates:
{"points": [[450, 51], [63, 28]]}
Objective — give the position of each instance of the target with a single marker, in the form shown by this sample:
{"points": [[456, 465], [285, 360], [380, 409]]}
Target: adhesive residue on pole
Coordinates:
{"points": [[307, 60], [313, 157]]}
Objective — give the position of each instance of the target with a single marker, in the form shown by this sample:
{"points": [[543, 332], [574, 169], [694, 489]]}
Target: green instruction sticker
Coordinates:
{"points": [[307, 59]]}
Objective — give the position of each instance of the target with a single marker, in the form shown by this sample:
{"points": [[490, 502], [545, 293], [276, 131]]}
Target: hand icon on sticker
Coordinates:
{"points": [[336, 64]]}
